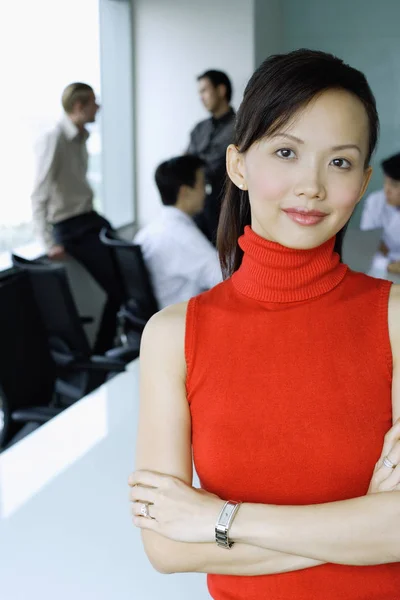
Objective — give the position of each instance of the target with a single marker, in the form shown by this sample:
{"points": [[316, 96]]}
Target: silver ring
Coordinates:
{"points": [[388, 463], [144, 511]]}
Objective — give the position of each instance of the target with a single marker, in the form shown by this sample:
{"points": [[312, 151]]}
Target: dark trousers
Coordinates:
{"points": [[207, 221], [80, 238]]}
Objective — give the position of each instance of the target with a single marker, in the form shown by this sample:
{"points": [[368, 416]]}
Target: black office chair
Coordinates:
{"points": [[68, 343], [29, 392], [139, 301]]}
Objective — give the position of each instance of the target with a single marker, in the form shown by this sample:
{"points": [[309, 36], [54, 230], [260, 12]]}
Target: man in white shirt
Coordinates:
{"points": [[180, 259], [62, 202], [382, 210]]}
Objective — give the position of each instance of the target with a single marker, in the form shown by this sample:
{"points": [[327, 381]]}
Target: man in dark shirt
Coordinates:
{"points": [[209, 140]]}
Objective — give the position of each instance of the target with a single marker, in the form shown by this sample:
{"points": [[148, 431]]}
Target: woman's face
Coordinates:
{"points": [[305, 181]]}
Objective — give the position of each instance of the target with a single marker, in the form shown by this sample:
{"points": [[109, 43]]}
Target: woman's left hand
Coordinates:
{"points": [[175, 510], [386, 475]]}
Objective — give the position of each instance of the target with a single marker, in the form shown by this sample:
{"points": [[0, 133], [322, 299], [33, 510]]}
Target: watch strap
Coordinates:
{"points": [[224, 522]]}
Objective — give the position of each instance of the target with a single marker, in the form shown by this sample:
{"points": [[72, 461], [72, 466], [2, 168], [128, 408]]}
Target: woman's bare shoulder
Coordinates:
{"points": [[394, 330], [394, 300], [165, 333], [172, 318], [394, 319]]}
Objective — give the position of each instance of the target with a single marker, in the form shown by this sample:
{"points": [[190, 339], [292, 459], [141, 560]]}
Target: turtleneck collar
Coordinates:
{"points": [[273, 273]]}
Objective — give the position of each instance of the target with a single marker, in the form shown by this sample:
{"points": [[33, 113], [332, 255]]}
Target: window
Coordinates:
{"points": [[44, 46]]}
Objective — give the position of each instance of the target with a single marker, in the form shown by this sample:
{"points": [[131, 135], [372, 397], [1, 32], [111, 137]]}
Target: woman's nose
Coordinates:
{"points": [[310, 185]]}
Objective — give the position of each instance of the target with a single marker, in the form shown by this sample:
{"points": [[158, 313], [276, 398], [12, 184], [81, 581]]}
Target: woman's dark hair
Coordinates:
{"points": [[218, 78], [277, 90], [171, 175]]}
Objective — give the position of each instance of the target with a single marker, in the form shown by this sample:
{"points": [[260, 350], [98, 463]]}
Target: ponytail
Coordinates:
{"points": [[235, 215]]}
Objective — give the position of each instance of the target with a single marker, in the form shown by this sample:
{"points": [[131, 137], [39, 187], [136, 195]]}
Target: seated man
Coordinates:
{"points": [[382, 210], [180, 259]]}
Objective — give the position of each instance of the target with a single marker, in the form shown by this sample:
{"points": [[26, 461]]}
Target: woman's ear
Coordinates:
{"points": [[235, 166], [367, 179]]}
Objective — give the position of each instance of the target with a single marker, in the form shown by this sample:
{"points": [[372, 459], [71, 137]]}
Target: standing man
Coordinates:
{"points": [[209, 140], [62, 202]]}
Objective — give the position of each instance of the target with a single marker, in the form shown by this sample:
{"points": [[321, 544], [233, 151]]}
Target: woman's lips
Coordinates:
{"points": [[305, 217]]}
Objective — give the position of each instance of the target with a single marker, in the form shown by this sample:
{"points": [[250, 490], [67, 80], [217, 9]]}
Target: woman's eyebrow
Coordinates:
{"points": [[287, 136], [334, 148], [347, 147]]}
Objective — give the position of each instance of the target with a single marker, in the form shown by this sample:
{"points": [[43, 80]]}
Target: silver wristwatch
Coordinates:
{"points": [[224, 522]]}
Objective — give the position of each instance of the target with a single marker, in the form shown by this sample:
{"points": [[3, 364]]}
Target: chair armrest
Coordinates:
{"points": [[94, 363], [98, 363], [136, 322], [124, 353], [38, 414], [64, 388], [62, 359]]}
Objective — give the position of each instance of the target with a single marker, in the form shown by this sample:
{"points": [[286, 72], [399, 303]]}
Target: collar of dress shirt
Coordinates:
{"points": [[226, 118], [175, 213], [71, 130]]}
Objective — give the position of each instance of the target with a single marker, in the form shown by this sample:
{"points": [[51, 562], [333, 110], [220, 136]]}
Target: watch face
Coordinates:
{"points": [[224, 518]]}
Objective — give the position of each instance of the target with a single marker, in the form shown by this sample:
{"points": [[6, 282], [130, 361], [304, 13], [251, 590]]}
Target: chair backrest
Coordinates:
{"points": [[134, 277], [27, 371], [57, 307]]}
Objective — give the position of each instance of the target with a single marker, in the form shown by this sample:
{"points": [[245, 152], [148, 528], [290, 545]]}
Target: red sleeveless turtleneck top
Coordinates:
{"points": [[289, 372]]}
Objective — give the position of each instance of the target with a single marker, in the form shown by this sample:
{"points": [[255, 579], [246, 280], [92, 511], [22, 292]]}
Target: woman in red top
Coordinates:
{"points": [[284, 380]]}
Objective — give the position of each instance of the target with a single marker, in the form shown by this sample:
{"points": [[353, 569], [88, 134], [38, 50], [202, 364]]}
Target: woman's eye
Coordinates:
{"points": [[285, 153], [341, 163]]}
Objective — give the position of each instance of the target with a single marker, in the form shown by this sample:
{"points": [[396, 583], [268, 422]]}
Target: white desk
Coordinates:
{"points": [[378, 268], [65, 525], [359, 252]]}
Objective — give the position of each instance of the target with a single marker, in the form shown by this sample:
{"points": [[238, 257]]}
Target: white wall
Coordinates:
{"points": [[365, 34], [175, 41], [268, 29], [117, 116]]}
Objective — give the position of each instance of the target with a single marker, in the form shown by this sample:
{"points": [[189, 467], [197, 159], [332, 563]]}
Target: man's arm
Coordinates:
{"points": [[194, 139], [394, 267], [45, 155], [204, 261], [192, 148]]}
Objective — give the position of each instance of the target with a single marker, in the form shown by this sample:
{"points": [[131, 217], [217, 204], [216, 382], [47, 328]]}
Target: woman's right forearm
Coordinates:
{"points": [[168, 556], [251, 560]]}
